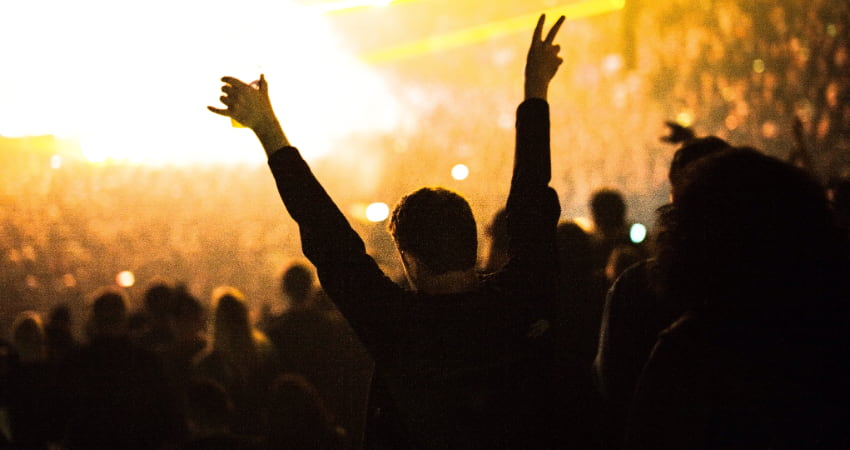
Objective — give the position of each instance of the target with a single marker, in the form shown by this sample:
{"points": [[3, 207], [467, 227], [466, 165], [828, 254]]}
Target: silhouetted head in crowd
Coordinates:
{"points": [[750, 230], [574, 250], [233, 335], [609, 212], [691, 151], [60, 317], [296, 283], [28, 338], [158, 299], [189, 315], [435, 233], [108, 316]]}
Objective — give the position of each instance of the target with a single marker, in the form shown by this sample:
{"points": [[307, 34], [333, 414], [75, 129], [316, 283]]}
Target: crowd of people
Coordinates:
{"points": [[731, 331]]}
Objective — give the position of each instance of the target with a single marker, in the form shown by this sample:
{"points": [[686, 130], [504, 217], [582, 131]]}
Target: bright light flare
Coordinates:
{"points": [[125, 279], [377, 212], [92, 71], [460, 172]]}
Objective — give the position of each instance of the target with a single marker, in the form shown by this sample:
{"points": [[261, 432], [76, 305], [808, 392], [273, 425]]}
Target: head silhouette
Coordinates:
{"points": [[609, 211], [28, 337], [108, 315], [296, 282], [745, 222], [436, 226]]}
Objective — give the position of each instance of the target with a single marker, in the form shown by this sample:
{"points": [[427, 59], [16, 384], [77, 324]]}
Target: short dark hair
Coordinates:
{"points": [[296, 282], [690, 152], [608, 209], [437, 226]]}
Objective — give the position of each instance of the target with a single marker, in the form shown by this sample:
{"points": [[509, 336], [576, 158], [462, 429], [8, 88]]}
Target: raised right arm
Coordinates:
{"points": [[533, 208]]}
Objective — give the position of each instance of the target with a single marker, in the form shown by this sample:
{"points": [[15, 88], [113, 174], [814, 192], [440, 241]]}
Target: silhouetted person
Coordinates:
{"points": [[462, 359], [759, 359], [299, 419], [158, 332], [188, 320], [116, 394], [635, 313], [60, 337], [240, 358], [579, 309], [610, 231], [31, 387], [315, 342]]}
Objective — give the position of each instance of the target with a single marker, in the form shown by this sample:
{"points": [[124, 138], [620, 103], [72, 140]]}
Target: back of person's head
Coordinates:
{"points": [[436, 225], [232, 331], [745, 222], [108, 316], [60, 317], [296, 282], [608, 209], [28, 338], [690, 152], [158, 299], [574, 249], [189, 314]]}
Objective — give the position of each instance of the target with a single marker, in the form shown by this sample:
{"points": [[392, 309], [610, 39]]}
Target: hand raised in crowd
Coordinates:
{"points": [[543, 60], [249, 105]]}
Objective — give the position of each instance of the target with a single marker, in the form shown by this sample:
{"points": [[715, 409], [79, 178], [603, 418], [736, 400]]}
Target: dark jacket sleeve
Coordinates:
{"points": [[350, 277], [532, 209]]}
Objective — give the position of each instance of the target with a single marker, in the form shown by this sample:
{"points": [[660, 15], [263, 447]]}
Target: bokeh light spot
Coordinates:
{"points": [[685, 118], [637, 233], [125, 279], [377, 212], [460, 172]]}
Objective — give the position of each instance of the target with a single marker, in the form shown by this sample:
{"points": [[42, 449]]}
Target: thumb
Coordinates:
{"points": [[264, 86]]}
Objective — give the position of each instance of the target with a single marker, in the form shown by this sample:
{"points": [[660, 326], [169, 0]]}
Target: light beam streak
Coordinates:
{"points": [[490, 30]]}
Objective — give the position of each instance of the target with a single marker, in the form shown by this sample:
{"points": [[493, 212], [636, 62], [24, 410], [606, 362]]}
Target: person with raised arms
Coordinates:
{"points": [[462, 359]]}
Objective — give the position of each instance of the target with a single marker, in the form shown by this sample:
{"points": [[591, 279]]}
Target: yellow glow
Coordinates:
{"points": [[460, 172], [585, 223], [377, 212], [491, 30], [93, 72], [685, 118], [339, 6]]}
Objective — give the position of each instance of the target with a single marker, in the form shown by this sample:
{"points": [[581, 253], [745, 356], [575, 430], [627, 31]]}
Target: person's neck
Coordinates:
{"points": [[453, 282]]}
